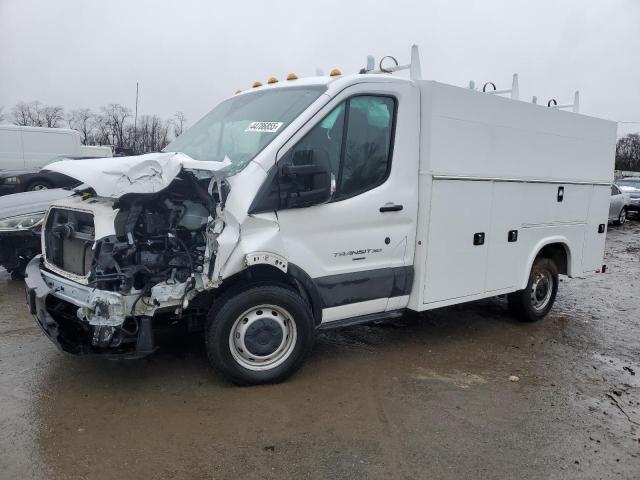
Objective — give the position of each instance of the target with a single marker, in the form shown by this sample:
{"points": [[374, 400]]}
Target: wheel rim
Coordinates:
{"points": [[39, 187], [623, 217], [541, 290], [263, 337]]}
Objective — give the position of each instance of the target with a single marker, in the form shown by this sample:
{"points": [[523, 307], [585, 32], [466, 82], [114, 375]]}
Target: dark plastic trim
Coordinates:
{"points": [[372, 317], [346, 288]]}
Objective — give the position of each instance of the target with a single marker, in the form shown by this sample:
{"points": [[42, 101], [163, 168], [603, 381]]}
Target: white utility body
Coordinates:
{"points": [[326, 201], [491, 164]]}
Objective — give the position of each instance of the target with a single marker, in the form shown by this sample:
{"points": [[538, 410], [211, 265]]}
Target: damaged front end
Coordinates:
{"points": [[118, 267]]}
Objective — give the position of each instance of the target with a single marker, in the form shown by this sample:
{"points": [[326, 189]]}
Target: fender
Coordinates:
{"points": [[297, 276], [536, 250], [308, 285]]}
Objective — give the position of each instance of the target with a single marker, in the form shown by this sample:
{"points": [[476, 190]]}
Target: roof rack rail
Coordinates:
{"points": [[414, 67]]}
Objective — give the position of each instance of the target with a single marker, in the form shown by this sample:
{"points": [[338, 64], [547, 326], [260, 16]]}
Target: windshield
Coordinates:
{"points": [[629, 182], [239, 128]]}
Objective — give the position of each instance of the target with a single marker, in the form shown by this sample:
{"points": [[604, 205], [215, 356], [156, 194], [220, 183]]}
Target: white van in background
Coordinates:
{"points": [[32, 147]]}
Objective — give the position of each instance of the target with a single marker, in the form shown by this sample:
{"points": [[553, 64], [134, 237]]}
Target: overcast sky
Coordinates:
{"points": [[190, 54]]}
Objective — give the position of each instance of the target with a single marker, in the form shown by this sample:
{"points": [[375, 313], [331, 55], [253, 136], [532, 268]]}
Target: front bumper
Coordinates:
{"points": [[634, 205], [58, 319]]}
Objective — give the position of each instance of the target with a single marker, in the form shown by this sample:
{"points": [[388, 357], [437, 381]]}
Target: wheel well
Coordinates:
{"points": [[295, 279], [558, 252], [40, 180]]}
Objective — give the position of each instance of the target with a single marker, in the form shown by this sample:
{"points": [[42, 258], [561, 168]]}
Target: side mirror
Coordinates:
{"points": [[305, 179]]}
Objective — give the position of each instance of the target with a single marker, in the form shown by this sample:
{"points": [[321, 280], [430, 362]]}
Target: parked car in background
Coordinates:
{"points": [[619, 205], [21, 217], [631, 185], [16, 181], [33, 147]]}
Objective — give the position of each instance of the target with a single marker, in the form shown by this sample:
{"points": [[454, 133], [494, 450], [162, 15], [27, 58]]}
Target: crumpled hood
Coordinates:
{"points": [[117, 176]]}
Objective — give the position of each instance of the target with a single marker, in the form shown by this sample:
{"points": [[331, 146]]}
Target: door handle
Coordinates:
{"points": [[391, 207]]}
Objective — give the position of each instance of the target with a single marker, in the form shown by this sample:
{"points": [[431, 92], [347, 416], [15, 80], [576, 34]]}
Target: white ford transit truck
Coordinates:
{"points": [[314, 203]]}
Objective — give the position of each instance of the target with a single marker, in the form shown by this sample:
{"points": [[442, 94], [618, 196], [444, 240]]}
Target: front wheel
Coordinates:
{"points": [[534, 302], [259, 335], [622, 217]]}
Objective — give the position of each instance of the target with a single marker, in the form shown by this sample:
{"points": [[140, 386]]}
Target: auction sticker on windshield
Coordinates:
{"points": [[269, 127]]}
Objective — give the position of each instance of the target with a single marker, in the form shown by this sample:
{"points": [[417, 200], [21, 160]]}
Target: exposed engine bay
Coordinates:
{"points": [[158, 238], [137, 254]]}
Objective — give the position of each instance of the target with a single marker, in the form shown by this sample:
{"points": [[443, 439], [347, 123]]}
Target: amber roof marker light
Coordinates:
{"points": [[272, 80], [335, 72], [292, 76], [257, 84]]}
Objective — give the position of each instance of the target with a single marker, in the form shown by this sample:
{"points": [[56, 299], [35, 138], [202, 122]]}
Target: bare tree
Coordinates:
{"points": [[34, 110], [153, 134], [82, 120], [116, 117], [179, 121], [628, 152], [21, 113], [35, 114], [102, 134], [52, 116], [2, 115], [113, 125]]}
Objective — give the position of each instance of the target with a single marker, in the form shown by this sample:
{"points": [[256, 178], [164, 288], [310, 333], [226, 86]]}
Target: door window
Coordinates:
{"points": [[614, 190], [365, 160], [355, 139]]}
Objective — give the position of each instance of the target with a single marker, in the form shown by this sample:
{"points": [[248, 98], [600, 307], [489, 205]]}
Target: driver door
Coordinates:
{"points": [[358, 247]]}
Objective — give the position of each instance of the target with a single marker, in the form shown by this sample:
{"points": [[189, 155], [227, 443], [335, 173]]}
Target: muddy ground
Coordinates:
{"points": [[428, 396]]}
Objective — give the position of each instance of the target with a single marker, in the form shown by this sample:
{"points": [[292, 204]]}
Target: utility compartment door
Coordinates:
{"points": [[505, 260], [456, 267]]}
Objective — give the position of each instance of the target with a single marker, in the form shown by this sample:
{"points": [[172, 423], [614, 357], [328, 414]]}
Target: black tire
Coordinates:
{"points": [[622, 217], [266, 305], [17, 274], [523, 304], [38, 185]]}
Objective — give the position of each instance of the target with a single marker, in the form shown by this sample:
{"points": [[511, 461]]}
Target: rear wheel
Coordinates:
{"points": [[259, 335], [534, 302]]}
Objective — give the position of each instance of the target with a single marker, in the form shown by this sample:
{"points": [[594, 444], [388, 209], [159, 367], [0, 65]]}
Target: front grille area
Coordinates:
{"points": [[68, 238]]}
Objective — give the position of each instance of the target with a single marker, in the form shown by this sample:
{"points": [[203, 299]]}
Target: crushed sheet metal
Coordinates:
{"points": [[150, 173], [112, 308], [106, 308], [226, 243]]}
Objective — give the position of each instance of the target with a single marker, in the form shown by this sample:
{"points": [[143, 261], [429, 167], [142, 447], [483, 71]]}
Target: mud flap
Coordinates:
{"points": [[144, 344]]}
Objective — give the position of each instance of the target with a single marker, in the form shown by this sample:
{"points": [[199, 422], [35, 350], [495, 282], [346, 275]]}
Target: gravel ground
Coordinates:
{"points": [[427, 396]]}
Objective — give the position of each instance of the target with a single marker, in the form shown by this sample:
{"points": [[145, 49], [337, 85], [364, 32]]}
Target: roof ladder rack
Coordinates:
{"points": [[414, 67], [575, 106], [514, 90]]}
